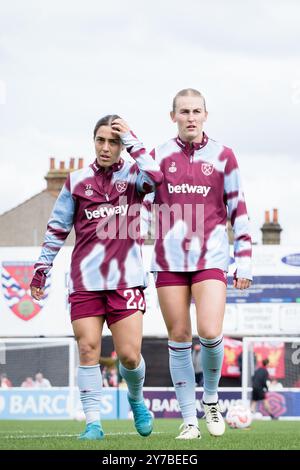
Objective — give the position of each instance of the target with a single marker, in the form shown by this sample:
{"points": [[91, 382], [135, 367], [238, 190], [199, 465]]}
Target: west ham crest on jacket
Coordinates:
{"points": [[121, 186], [207, 169]]}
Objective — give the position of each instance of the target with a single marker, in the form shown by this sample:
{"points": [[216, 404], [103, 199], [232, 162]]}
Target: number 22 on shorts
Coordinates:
{"points": [[135, 301]]}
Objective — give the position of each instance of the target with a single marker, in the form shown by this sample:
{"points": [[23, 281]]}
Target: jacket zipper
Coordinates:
{"points": [[191, 161], [104, 185]]}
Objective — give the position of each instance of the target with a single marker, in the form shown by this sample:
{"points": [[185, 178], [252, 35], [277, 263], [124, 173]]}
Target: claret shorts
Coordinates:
{"points": [[170, 278], [113, 304]]}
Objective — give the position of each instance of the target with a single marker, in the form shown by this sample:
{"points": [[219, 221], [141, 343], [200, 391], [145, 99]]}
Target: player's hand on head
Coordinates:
{"points": [[241, 283], [120, 127], [37, 292]]}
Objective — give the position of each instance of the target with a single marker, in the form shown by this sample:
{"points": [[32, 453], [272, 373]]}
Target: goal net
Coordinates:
{"points": [[37, 378], [283, 393]]}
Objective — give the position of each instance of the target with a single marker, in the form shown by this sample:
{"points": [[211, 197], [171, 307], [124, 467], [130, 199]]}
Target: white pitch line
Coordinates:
{"points": [[39, 436], [44, 436], [5, 432]]}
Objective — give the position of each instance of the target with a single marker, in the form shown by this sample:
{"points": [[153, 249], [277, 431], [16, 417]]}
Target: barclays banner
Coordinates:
{"points": [[17, 403], [163, 403], [58, 403]]}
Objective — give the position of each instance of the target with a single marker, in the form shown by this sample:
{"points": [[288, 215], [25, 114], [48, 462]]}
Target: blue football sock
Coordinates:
{"points": [[212, 353], [90, 385], [183, 377], [135, 379]]}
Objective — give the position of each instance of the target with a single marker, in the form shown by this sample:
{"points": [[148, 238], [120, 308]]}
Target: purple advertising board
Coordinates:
{"points": [[163, 403]]}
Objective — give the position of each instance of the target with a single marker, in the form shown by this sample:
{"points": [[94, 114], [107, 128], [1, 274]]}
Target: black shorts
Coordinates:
{"points": [[258, 394]]}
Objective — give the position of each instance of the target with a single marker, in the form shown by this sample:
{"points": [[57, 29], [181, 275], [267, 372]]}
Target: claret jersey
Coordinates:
{"points": [[201, 188], [104, 208]]}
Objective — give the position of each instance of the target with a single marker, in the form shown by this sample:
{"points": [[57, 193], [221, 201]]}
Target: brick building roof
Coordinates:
{"points": [[25, 225]]}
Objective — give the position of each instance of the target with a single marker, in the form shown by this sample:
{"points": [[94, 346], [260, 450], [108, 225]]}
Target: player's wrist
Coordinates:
{"points": [[129, 139], [38, 280]]}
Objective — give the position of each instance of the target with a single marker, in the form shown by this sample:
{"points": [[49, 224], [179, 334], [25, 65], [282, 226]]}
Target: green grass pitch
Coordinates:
{"points": [[121, 435]]}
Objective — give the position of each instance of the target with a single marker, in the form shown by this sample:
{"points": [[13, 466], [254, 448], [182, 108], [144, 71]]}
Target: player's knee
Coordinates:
{"points": [[210, 333], [180, 336], [130, 360], [88, 351]]}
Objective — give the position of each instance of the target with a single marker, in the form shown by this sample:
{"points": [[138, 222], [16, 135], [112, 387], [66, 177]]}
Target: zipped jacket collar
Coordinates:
{"points": [[100, 170], [189, 148]]}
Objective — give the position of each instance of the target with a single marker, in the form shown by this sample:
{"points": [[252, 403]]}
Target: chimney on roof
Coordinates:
{"points": [[271, 230], [72, 164], [56, 177], [267, 217]]}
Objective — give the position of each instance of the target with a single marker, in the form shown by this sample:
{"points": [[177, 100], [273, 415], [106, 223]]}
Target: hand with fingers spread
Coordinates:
{"points": [[241, 283], [37, 292]]}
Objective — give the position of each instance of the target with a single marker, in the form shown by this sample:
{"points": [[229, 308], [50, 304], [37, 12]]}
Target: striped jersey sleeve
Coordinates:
{"points": [[58, 228], [237, 212], [150, 175]]}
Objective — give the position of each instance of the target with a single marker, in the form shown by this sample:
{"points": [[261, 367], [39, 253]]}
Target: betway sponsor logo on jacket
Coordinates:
{"points": [[189, 188], [106, 212]]}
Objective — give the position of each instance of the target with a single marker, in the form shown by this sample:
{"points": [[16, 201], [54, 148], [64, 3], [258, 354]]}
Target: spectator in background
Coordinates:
{"points": [[260, 387], [196, 358], [110, 367], [113, 377], [28, 383], [4, 381], [109, 376], [104, 373], [41, 381]]}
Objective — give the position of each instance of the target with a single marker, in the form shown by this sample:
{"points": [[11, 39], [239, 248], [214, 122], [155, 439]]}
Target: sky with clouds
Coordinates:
{"points": [[64, 64]]}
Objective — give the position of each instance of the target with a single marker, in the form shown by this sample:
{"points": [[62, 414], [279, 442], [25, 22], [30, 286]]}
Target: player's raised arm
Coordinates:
{"points": [[58, 228], [150, 175]]}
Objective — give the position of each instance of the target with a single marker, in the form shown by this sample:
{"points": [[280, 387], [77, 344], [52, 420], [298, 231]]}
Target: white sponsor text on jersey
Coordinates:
{"points": [[106, 211], [189, 188]]}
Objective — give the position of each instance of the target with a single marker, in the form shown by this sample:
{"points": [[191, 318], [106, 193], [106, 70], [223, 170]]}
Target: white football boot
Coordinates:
{"points": [[214, 420], [189, 431]]}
